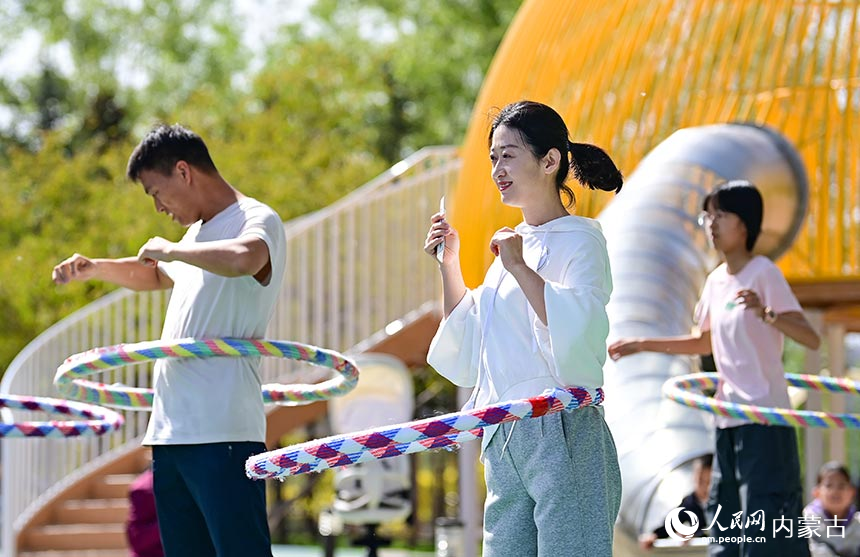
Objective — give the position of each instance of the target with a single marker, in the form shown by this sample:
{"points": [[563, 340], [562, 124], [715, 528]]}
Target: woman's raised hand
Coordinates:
{"points": [[440, 231], [508, 245]]}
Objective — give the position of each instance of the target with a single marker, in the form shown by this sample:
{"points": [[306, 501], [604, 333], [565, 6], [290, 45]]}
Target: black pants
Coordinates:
{"points": [[206, 505], [757, 474]]}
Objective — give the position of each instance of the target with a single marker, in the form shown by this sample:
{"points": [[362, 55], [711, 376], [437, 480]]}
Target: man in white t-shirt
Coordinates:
{"points": [[207, 415]]}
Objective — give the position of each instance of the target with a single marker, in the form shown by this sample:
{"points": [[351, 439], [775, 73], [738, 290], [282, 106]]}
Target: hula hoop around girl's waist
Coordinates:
{"points": [[678, 390]]}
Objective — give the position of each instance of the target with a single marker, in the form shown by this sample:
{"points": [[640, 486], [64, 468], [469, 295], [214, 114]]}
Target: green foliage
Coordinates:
{"points": [[793, 358], [146, 59], [304, 126], [431, 55], [52, 205], [331, 103]]}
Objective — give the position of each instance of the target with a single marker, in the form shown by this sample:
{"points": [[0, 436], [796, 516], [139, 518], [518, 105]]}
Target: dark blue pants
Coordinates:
{"points": [[206, 505], [757, 468]]}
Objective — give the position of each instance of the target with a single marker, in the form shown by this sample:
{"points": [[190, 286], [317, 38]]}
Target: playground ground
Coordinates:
{"points": [[309, 551]]}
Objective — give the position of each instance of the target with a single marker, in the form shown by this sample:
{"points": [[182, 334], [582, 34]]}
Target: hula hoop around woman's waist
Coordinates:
{"points": [[98, 420], [412, 437]]}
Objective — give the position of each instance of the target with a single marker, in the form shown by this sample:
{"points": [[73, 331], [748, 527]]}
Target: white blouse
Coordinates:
{"points": [[494, 341]]}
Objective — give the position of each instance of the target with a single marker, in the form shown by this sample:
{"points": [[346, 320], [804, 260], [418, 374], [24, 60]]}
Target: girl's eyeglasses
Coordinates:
{"points": [[708, 218]]}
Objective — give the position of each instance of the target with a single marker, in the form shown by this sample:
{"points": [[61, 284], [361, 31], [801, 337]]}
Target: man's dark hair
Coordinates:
{"points": [[164, 146]]}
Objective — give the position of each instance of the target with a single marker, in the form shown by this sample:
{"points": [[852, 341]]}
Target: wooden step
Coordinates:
{"points": [[75, 536], [92, 511], [113, 486]]}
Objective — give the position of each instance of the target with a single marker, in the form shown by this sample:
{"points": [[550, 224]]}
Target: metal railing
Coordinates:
{"points": [[352, 269]]}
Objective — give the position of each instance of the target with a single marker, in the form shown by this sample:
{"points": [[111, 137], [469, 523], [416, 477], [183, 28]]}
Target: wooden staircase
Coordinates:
{"points": [[88, 518]]}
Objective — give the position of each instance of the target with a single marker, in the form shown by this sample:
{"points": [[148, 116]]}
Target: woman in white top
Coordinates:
{"points": [[538, 321], [745, 310]]}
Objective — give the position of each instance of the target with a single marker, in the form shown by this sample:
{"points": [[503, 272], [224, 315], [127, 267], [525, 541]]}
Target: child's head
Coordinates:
{"points": [[702, 467], [733, 212], [834, 489]]}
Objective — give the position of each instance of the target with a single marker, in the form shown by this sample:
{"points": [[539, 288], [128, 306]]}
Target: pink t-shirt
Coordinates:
{"points": [[747, 351]]}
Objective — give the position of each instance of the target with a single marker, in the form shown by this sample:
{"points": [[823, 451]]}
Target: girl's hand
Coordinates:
{"points": [[624, 347], [508, 245], [751, 301], [441, 231]]}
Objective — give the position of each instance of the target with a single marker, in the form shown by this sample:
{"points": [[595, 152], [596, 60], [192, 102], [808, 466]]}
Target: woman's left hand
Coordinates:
{"points": [[508, 245], [750, 300]]}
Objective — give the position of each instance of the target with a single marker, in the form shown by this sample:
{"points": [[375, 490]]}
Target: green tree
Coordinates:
{"points": [[52, 205], [335, 100], [143, 58], [432, 57]]}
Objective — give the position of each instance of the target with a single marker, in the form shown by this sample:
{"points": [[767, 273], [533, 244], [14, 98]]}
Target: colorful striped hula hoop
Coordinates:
{"points": [[422, 435], [678, 390], [69, 379], [99, 420]]}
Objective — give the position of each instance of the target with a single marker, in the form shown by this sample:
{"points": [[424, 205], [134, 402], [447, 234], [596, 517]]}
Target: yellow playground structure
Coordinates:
{"points": [[625, 74]]}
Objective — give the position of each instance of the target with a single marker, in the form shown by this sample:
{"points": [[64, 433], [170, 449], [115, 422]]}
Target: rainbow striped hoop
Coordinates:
{"points": [[69, 378], [99, 420], [422, 435], [678, 390]]}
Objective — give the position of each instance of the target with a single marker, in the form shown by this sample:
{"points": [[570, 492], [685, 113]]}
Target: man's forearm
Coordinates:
{"points": [[228, 258], [130, 273]]}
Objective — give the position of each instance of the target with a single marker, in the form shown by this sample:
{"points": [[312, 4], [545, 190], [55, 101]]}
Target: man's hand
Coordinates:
{"points": [[128, 272], [76, 267], [154, 250]]}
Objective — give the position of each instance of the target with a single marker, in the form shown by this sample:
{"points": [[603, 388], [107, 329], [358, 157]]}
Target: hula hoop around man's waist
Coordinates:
{"points": [[70, 375]]}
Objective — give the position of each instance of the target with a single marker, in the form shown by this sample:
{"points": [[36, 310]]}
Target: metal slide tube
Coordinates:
{"points": [[660, 258]]}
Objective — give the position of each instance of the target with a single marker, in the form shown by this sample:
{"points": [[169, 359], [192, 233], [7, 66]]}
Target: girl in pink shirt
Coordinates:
{"points": [[745, 311]]}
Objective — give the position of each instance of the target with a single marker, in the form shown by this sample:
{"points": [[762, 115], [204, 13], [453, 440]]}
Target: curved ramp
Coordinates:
{"points": [[660, 259]]}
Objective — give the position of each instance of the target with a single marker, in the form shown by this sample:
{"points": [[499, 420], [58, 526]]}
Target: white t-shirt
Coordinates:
{"points": [[494, 341], [747, 351], [216, 400]]}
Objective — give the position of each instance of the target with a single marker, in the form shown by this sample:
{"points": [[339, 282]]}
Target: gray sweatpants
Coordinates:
{"points": [[554, 490]]}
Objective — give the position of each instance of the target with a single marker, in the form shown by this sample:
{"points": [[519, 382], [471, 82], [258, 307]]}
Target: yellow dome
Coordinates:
{"points": [[626, 74]]}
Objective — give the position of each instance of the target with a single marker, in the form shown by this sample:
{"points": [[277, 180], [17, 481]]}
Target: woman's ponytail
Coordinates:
{"points": [[593, 168]]}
